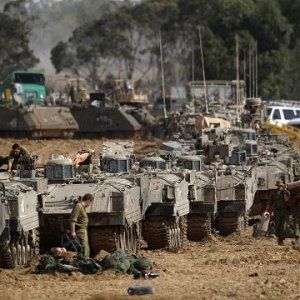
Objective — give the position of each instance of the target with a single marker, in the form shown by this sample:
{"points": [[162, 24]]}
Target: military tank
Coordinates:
{"points": [[114, 216], [268, 173], [165, 206], [36, 121], [104, 121], [19, 223], [235, 194], [202, 197]]}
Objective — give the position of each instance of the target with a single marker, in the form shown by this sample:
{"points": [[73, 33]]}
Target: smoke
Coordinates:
{"points": [[55, 20]]}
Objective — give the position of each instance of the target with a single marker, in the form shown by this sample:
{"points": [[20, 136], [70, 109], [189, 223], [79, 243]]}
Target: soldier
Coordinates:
{"points": [[279, 201], [296, 216], [13, 159], [295, 207], [79, 222]]}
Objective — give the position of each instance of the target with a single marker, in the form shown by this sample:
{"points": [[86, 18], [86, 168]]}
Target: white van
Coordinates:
{"points": [[284, 114]]}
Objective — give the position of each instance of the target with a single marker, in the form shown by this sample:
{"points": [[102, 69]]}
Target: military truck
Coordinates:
{"points": [[19, 223], [114, 216], [165, 206]]}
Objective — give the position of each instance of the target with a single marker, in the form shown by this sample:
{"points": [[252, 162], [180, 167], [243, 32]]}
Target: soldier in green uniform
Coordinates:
{"points": [[79, 222], [14, 156], [13, 159], [279, 201]]}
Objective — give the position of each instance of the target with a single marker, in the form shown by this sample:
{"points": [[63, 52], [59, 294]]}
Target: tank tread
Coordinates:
{"points": [[6, 260], [112, 238], [199, 227], [103, 238], [229, 224], [162, 233]]}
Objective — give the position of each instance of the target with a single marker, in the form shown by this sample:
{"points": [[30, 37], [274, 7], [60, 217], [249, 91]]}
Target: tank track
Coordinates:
{"points": [[19, 250], [229, 223], [112, 238], [199, 227], [165, 233], [6, 260]]}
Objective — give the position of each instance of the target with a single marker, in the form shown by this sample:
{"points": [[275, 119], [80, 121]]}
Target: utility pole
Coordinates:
{"points": [[162, 75], [193, 77], [245, 74], [256, 72], [250, 75], [203, 71], [237, 76]]}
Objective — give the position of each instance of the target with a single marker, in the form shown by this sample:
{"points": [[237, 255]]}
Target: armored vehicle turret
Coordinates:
{"points": [[59, 169], [165, 206], [19, 222], [117, 157]]}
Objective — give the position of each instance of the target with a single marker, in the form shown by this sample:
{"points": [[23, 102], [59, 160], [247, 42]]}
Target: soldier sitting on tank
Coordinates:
{"points": [[279, 201], [13, 159], [79, 222]]}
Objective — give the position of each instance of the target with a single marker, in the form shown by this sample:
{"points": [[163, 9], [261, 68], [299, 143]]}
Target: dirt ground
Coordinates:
{"points": [[218, 269], [45, 148]]}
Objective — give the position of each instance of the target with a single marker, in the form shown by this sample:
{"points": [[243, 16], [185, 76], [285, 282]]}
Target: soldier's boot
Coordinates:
{"points": [[280, 242]]}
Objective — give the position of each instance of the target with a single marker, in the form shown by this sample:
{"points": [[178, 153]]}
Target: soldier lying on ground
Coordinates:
{"points": [[120, 261]]}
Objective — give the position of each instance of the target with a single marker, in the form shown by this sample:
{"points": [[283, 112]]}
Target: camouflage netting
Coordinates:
{"points": [[120, 261]]}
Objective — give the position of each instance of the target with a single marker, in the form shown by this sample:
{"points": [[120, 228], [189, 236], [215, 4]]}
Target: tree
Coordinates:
{"points": [[15, 53]]}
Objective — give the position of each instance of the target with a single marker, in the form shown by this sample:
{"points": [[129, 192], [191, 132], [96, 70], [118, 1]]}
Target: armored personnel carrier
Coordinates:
{"points": [[202, 197], [114, 216], [104, 121], [235, 194], [19, 223], [165, 206], [268, 173], [37, 121]]}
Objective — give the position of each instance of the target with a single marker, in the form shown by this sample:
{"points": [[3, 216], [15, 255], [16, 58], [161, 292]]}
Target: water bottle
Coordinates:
{"points": [[141, 290]]}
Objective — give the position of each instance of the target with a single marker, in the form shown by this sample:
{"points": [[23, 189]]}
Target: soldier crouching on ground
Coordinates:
{"points": [[279, 201], [13, 159], [79, 222]]}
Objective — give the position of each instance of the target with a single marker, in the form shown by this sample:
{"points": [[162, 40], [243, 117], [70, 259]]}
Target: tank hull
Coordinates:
{"points": [[37, 122], [108, 121]]}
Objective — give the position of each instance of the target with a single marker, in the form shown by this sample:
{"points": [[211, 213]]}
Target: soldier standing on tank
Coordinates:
{"points": [[279, 201], [79, 222]]}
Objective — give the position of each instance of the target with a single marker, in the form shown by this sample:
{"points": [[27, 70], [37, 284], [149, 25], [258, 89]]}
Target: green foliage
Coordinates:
{"points": [[15, 53], [127, 36]]}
